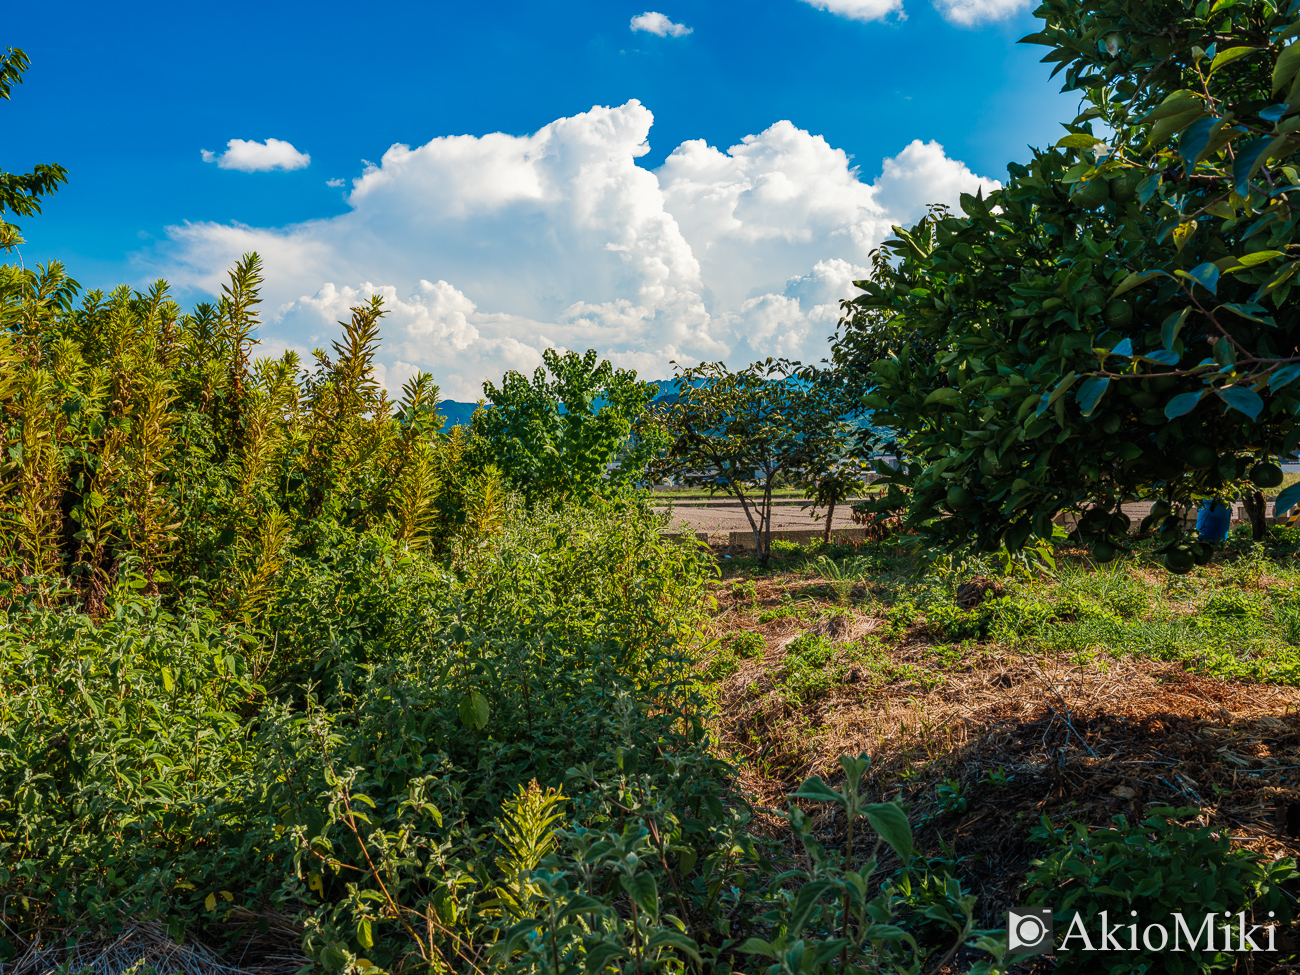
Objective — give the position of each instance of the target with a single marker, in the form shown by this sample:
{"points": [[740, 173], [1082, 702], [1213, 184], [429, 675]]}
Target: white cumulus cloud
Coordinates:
{"points": [[250, 156], [864, 10], [971, 13], [489, 249], [654, 22]]}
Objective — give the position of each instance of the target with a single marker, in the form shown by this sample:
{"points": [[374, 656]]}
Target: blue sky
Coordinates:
{"points": [[127, 97]]}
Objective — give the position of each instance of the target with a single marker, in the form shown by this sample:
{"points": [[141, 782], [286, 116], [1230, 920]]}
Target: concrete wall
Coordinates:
{"points": [[745, 540]]}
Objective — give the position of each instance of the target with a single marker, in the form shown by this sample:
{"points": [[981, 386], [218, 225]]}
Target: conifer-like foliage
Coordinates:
{"points": [[1114, 323], [140, 436]]}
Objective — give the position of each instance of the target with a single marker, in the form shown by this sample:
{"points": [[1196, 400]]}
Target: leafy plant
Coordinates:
{"points": [[1113, 323], [567, 434], [743, 432], [1157, 867]]}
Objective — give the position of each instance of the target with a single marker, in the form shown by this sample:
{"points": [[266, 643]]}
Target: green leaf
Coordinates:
{"points": [[1249, 158], [642, 889], [1288, 62], [1195, 138], [815, 790], [1259, 257], [675, 939], [1249, 311], [1090, 393], [600, 956], [474, 711], [1278, 279], [1147, 189], [1228, 56], [1286, 374], [943, 394], [1183, 403], [1176, 103], [1287, 499], [756, 946], [803, 904], [1079, 140], [365, 938], [1131, 282], [1171, 327], [1242, 399], [1206, 275], [889, 820]]}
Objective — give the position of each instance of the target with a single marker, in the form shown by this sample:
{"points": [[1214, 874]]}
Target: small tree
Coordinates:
{"points": [[740, 432], [843, 480], [566, 434]]}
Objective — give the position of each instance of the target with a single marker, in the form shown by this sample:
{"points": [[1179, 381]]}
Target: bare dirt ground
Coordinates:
{"points": [[1016, 734], [718, 517]]}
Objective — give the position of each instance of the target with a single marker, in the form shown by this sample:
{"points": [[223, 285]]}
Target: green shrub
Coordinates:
{"points": [[748, 644], [1154, 868], [805, 672]]}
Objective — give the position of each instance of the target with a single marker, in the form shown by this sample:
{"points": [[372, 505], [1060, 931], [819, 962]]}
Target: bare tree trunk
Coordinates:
{"points": [[830, 513], [765, 554], [1256, 511]]}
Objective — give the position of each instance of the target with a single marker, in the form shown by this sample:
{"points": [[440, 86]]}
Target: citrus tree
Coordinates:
{"points": [[1113, 324], [567, 432], [741, 433]]}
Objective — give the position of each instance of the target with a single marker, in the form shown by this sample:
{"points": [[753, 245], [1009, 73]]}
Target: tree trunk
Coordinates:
{"points": [[830, 513], [765, 519], [1256, 509]]}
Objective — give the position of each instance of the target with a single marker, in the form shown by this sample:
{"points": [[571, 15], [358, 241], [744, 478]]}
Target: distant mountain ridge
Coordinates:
{"points": [[459, 414], [456, 414]]}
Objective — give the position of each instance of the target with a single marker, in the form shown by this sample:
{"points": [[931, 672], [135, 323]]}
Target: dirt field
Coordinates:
{"points": [[980, 739]]}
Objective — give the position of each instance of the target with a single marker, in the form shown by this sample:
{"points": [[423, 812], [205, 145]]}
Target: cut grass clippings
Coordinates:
{"points": [[1082, 695]]}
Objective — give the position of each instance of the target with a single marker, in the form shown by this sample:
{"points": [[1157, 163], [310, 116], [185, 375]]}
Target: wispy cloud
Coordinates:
{"points": [[250, 156], [336, 182], [653, 22], [864, 10]]}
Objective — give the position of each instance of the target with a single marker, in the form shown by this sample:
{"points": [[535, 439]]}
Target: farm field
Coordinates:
{"points": [[1080, 694]]}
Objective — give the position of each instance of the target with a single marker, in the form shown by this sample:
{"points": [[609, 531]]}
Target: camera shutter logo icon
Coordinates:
{"points": [[1029, 930]]}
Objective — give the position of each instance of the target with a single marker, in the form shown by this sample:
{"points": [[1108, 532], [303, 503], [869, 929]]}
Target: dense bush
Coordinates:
{"points": [[1147, 872]]}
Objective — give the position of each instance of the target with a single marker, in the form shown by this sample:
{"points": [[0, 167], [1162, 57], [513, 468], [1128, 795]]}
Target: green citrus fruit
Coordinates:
{"points": [[1199, 457], [1094, 296], [1266, 475], [959, 498], [1091, 194], [1104, 552], [1117, 313], [1111, 423], [1179, 561]]}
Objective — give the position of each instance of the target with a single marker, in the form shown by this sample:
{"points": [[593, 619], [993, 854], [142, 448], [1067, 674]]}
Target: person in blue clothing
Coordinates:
{"points": [[1212, 520]]}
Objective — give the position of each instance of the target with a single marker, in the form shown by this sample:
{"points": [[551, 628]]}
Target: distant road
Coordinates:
{"points": [[713, 515]]}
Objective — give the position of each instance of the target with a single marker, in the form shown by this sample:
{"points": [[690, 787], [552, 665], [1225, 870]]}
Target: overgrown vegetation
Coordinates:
{"points": [[290, 678]]}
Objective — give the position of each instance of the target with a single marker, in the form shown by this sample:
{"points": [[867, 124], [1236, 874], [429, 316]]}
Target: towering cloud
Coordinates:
{"points": [[489, 249]]}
